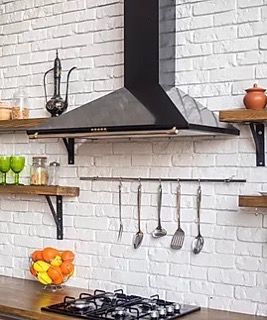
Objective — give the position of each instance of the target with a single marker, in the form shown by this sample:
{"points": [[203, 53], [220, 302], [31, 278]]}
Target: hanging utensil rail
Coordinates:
{"points": [[129, 179]]}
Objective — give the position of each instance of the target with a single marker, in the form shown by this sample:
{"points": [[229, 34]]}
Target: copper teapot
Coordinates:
{"points": [[255, 98]]}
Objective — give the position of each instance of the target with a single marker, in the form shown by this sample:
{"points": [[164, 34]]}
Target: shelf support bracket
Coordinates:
{"points": [[57, 214], [69, 144], [257, 130]]}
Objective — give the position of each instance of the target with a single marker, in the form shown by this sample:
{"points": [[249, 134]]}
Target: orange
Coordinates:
{"points": [[55, 274], [37, 255], [50, 253], [33, 272], [67, 256], [67, 268]]}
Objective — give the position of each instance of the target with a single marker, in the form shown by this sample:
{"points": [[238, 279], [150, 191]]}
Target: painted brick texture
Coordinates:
{"points": [[222, 50]]}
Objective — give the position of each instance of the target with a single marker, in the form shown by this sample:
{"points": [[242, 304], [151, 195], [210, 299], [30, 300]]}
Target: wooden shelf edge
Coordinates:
{"points": [[41, 190], [256, 201], [20, 124], [242, 115]]}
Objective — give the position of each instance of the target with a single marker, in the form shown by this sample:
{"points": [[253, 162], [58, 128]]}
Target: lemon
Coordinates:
{"points": [[56, 262], [44, 278], [41, 266]]}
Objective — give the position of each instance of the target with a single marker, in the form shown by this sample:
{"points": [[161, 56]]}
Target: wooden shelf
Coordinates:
{"points": [[243, 115], [47, 191], [255, 119], [41, 190], [253, 201], [20, 124]]}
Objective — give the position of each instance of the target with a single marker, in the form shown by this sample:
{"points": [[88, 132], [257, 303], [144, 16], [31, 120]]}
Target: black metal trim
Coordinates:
{"points": [[257, 130], [228, 130], [69, 144], [57, 214]]}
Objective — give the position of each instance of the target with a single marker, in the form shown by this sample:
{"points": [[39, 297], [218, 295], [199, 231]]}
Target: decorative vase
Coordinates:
{"points": [[255, 98]]}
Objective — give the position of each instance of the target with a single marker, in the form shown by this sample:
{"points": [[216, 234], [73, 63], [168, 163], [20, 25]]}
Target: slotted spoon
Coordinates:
{"points": [[138, 238], [198, 242], [178, 237]]}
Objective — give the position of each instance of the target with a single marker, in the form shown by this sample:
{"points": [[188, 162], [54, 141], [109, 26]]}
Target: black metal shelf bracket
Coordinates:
{"points": [[69, 144], [57, 214], [257, 130]]}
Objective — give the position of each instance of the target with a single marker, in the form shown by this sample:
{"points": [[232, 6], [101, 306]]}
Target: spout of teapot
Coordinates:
{"points": [[67, 87]]}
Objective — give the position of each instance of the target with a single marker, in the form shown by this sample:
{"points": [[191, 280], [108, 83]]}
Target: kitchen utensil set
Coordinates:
{"points": [[179, 235]]}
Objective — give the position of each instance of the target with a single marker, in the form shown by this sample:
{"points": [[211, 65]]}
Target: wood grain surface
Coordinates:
{"points": [[41, 190], [25, 298], [253, 201], [243, 115], [20, 124]]}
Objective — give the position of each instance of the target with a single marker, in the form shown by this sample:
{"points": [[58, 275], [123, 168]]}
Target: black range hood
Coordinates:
{"points": [[149, 104]]}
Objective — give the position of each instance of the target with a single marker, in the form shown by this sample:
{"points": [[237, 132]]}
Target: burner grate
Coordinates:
{"points": [[117, 305]]}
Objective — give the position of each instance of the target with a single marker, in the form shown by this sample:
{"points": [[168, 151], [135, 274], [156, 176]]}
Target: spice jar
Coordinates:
{"points": [[53, 172], [39, 172], [20, 109]]}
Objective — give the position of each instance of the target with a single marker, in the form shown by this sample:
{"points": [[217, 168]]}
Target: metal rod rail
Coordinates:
{"points": [[130, 179]]}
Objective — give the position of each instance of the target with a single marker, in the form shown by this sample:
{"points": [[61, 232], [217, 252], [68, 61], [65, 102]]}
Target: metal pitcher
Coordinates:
{"points": [[57, 105]]}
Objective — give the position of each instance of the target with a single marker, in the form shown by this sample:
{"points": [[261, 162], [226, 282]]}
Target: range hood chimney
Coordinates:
{"points": [[149, 104]]}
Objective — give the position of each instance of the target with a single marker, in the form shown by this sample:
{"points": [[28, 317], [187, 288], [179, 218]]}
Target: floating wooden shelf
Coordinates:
{"points": [[253, 201], [47, 191], [255, 119], [243, 115], [20, 124], [41, 190]]}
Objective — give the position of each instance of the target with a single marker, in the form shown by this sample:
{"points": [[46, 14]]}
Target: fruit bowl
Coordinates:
{"points": [[52, 267]]}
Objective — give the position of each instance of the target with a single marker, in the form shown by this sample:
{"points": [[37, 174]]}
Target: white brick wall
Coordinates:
{"points": [[222, 50]]}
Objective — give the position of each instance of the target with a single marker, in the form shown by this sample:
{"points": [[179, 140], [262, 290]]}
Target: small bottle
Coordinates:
{"points": [[39, 172], [53, 172]]}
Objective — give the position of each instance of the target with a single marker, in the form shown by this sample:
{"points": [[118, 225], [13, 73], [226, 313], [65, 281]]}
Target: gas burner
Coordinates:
{"points": [[154, 314], [82, 304], [162, 312], [170, 310], [120, 313], [177, 307], [117, 305]]}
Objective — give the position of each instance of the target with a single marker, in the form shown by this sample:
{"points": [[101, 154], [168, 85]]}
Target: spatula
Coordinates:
{"points": [[178, 237]]}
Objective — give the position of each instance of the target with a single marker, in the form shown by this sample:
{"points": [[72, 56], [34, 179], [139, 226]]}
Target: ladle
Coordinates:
{"points": [[159, 231]]}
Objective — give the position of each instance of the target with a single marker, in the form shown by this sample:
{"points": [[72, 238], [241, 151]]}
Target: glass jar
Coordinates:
{"points": [[39, 172], [20, 108], [53, 172]]}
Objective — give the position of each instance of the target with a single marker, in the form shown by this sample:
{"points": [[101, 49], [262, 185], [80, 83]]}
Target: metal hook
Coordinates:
{"points": [[120, 182], [139, 180]]}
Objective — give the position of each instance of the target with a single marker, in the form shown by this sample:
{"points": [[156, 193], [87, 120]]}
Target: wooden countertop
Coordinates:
{"points": [[24, 298]]}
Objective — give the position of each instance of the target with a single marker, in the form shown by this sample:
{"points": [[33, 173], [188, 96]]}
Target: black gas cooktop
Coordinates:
{"points": [[119, 306]]}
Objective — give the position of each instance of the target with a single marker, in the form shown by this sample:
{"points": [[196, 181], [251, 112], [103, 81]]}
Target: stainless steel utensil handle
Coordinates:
{"points": [[159, 205], [139, 206], [199, 193], [120, 203], [178, 204]]}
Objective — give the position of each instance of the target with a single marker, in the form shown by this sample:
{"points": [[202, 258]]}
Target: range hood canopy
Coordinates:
{"points": [[149, 104]]}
